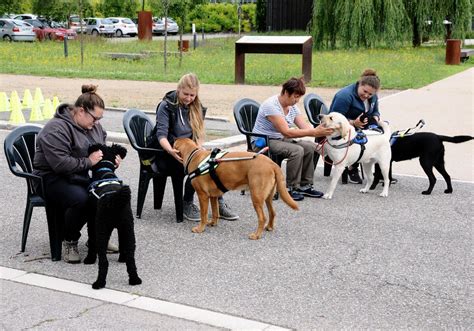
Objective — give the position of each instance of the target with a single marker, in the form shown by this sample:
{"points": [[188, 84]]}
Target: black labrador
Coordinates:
{"points": [[429, 148]]}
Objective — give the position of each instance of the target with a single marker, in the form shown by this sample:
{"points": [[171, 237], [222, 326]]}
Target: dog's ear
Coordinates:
{"points": [[94, 148], [119, 150], [344, 128]]}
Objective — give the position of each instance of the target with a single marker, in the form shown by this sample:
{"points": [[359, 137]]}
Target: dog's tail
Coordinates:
{"points": [[281, 188], [455, 139]]}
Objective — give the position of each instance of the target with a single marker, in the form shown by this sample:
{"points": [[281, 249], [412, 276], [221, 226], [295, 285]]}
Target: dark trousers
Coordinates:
{"points": [[72, 200]]}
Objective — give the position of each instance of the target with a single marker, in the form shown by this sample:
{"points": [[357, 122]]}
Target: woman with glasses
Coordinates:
{"points": [[360, 104], [62, 160]]}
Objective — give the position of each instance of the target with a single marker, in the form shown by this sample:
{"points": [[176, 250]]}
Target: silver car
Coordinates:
{"points": [[99, 26], [16, 30]]}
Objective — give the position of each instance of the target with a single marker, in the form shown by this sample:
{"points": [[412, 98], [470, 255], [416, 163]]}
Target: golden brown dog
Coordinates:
{"points": [[257, 173]]}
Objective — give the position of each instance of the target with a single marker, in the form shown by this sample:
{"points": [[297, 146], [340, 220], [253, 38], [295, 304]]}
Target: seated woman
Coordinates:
{"points": [[275, 118], [62, 160], [359, 103], [181, 115]]}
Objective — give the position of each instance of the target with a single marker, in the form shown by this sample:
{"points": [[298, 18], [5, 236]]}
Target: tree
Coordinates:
{"points": [[10, 6], [120, 8], [261, 15], [367, 23]]}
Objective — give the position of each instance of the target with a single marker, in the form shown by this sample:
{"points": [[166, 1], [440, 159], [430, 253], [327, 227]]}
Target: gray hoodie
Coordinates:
{"points": [[62, 145]]}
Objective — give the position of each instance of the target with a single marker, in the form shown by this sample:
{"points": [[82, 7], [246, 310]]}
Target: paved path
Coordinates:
{"points": [[357, 261]]}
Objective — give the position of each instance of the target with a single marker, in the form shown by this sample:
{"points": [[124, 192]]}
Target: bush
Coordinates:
{"points": [[221, 17]]}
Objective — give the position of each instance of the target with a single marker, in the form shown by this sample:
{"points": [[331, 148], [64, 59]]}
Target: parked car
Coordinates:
{"points": [[158, 26], [173, 27], [24, 16], [75, 23], [124, 26], [99, 26], [45, 32], [16, 30]]}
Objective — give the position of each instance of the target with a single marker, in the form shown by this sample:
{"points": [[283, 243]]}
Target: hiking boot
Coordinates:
{"points": [[71, 252], [191, 211], [295, 195], [354, 176], [310, 192], [225, 212], [112, 248]]}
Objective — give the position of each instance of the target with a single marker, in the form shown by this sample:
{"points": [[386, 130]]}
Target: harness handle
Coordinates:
{"points": [[263, 150]]}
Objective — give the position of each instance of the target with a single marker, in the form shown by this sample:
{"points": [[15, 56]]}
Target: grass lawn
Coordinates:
{"points": [[214, 63]]}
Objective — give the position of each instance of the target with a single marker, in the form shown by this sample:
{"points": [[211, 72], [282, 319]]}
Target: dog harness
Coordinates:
{"points": [[359, 139], [207, 165], [98, 185], [210, 163]]}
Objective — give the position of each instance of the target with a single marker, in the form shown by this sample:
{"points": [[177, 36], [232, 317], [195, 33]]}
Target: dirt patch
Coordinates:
{"points": [[145, 95]]}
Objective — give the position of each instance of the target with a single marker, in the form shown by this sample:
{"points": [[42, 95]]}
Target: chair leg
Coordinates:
{"points": [[159, 185], [327, 166], [55, 225], [178, 196], [26, 224], [143, 182]]}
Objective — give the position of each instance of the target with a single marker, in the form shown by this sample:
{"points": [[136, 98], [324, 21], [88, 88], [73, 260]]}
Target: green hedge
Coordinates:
{"points": [[221, 17]]}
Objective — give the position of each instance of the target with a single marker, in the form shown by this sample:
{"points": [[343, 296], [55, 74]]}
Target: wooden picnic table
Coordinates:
{"points": [[273, 45]]}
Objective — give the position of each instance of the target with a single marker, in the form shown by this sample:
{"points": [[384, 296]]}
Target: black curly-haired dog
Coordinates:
{"points": [[429, 148], [113, 212]]}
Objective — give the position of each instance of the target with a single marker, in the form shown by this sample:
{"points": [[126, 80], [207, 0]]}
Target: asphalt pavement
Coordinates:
{"points": [[356, 261]]}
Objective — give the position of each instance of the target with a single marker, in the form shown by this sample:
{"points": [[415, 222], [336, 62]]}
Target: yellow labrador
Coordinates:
{"points": [[257, 173], [343, 153]]}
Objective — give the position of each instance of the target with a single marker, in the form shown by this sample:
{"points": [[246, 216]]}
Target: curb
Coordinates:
{"points": [[120, 137], [146, 111]]}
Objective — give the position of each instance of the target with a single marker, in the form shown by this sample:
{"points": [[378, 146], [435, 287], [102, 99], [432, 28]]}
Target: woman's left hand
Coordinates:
{"points": [[118, 159]]}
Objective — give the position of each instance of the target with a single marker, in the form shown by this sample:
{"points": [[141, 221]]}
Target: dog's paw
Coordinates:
{"points": [[197, 229], [426, 192], [269, 228], [383, 194], [98, 285], [122, 258], [363, 190], [134, 280], [448, 190], [327, 196], [90, 259], [254, 236]]}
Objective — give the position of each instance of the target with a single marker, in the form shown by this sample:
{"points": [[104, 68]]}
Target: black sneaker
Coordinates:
{"points": [[354, 176], [295, 195], [310, 192]]}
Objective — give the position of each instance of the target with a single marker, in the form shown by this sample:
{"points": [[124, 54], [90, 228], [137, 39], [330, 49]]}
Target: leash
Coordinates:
{"points": [[345, 155]]}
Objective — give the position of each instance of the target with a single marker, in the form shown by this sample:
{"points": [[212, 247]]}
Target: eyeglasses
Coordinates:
{"points": [[96, 119]]}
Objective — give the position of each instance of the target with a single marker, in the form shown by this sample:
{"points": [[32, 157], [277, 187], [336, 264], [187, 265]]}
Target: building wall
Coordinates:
{"points": [[288, 14]]}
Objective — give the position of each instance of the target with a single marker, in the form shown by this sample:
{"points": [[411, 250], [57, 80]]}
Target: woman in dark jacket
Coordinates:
{"points": [[359, 103], [181, 115], [62, 160]]}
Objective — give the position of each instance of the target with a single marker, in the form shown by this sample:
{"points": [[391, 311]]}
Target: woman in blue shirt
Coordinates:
{"points": [[359, 103]]}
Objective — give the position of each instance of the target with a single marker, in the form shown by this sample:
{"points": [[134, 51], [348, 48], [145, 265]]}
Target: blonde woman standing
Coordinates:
{"points": [[181, 115]]}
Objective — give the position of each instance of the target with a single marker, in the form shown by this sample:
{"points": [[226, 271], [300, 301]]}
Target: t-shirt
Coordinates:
{"points": [[271, 107]]}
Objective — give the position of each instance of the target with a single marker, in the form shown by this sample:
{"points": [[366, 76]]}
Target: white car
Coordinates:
{"points": [[16, 30], [173, 27], [99, 26], [124, 26]]}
